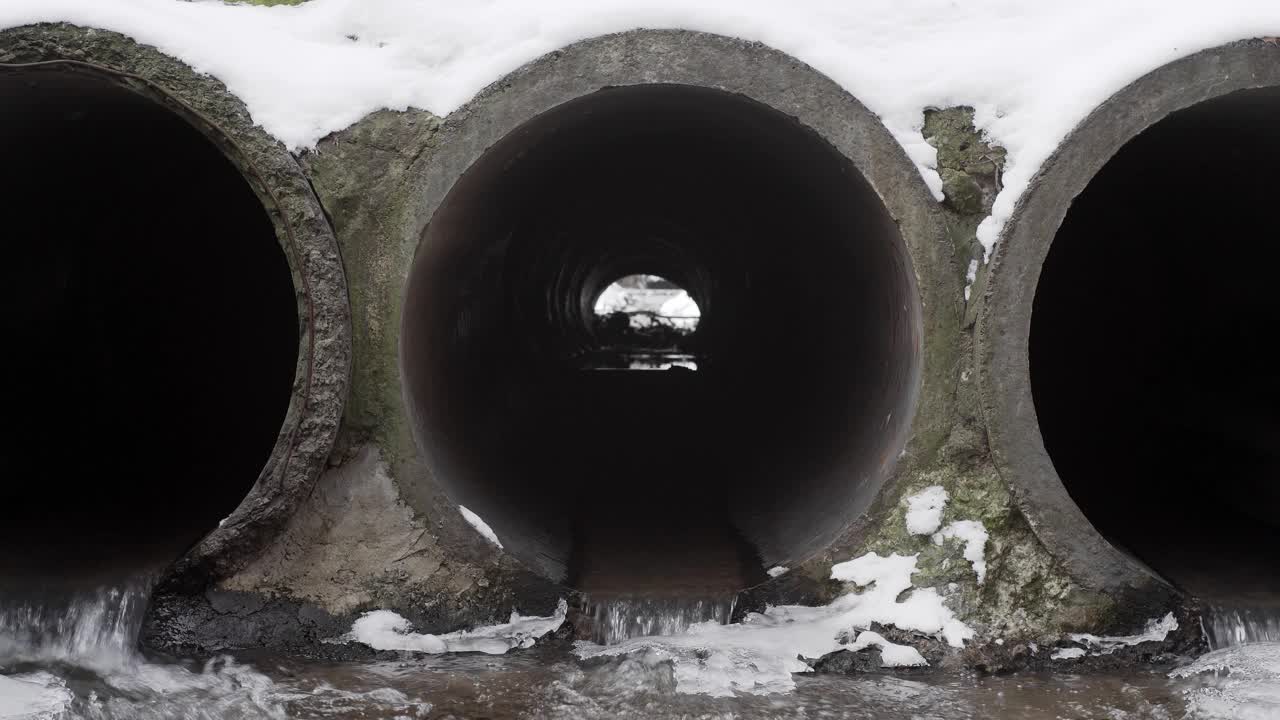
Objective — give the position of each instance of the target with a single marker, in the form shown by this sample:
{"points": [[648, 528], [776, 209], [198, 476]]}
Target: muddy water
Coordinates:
{"points": [[534, 685], [75, 659]]}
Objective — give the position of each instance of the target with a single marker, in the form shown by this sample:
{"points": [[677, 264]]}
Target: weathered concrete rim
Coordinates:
{"points": [[319, 391], [1004, 321], [753, 70]]}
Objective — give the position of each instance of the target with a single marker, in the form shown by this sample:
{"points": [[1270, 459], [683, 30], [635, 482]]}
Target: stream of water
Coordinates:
{"points": [[617, 619], [76, 658]]}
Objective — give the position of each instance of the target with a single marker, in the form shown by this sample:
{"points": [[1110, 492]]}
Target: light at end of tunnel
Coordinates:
{"points": [[644, 322]]}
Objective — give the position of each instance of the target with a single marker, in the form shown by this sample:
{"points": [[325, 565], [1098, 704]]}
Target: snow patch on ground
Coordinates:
{"points": [[683, 311], [891, 654], [777, 571], [759, 654], [974, 536], [480, 525], [890, 577], [386, 630], [1157, 629], [1031, 70], [924, 510], [615, 298]]}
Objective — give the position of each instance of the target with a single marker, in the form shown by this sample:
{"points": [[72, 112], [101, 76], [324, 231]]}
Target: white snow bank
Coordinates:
{"points": [[923, 610], [924, 510], [1031, 70], [974, 536], [385, 630], [777, 571], [1068, 654], [1157, 629], [480, 525], [615, 298], [759, 654], [682, 310], [924, 517], [891, 654]]}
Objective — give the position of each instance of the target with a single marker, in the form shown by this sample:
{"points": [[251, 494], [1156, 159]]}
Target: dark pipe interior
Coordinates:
{"points": [[1155, 382], [150, 329], [671, 481]]}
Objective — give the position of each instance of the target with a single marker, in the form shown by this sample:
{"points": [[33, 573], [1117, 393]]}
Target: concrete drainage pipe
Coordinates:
{"points": [[1128, 383], [175, 317], [785, 210]]}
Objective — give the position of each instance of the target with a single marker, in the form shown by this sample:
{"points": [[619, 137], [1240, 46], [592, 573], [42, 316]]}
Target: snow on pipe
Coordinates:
{"points": [[570, 175], [1121, 347], [167, 299]]}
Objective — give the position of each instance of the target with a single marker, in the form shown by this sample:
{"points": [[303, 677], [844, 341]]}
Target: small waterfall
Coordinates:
{"points": [[97, 627], [620, 618], [1230, 626]]}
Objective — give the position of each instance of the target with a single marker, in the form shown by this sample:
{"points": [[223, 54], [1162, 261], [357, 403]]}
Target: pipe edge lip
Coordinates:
{"points": [[783, 83], [1004, 318], [321, 379]]}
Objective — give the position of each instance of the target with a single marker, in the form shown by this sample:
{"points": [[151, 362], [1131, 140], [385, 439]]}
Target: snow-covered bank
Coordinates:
{"points": [[1031, 70], [759, 654], [1156, 630], [385, 630]]}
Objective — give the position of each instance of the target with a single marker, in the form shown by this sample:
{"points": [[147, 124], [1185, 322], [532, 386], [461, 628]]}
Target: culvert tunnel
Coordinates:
{"points": [[150, 322], [675, 481], [1123, 350], [1154, 384]]}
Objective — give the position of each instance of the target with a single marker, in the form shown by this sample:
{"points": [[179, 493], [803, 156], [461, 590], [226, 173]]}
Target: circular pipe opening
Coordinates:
{"points": [[1154, 390], [1117, 349], [151, 325], [672, 482]]}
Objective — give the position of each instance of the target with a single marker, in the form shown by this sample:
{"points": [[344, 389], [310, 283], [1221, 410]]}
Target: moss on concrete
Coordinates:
{"points": [[1026, 595], [444, 576], [961, 147], [971, 168], [361, 175]]}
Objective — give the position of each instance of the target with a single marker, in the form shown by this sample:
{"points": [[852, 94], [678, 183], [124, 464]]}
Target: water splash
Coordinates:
{"points": [[620, 618], [1232, 626], [93, 628]]}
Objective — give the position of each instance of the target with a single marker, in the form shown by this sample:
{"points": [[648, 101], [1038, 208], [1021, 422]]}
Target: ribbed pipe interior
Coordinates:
{"points": [[666, 481]]}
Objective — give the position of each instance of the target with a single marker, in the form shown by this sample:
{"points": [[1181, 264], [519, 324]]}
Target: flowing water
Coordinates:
{"points": [[1228, 626], [74, 657], [620, 618]]}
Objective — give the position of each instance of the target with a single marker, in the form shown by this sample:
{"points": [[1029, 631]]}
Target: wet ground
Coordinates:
{"points": [[76, 658]]}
